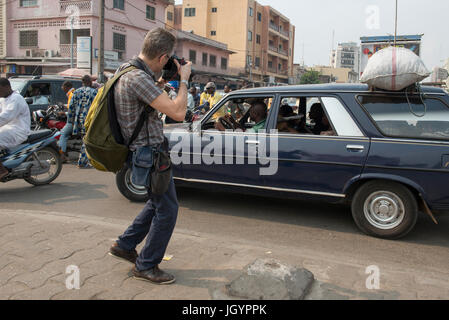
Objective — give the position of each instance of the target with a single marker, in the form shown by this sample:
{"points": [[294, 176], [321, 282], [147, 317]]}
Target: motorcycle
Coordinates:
{"points": [[55, 118], [37, 160]]}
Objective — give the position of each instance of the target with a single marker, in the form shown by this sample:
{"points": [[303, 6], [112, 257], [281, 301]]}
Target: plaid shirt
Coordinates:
{"points": [[133, 92], [79, 106]]}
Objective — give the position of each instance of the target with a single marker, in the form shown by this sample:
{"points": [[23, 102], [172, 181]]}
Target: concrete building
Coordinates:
{"points": [[337, 75], [39, 32], [439, 74], [262, 37], [347, 55]]}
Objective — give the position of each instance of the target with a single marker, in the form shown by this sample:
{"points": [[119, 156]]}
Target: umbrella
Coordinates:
{"points": [[74, 73]]}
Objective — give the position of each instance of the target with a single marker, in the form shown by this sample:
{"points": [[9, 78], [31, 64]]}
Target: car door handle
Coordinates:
{"points": [[355, 148], [252, 142]]}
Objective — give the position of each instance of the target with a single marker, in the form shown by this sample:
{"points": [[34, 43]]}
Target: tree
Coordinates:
{"points": [[310, 77]]}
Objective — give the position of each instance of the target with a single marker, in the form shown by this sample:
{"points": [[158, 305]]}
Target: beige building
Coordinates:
{"points": [[262, 38], [338, 75]]}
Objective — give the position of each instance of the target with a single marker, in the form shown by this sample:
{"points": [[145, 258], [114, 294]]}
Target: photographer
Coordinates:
{"points": [[135, 91]]}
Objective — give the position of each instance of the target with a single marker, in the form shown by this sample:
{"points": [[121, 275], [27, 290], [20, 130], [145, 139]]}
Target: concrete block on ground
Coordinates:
{"points": [[269, 279]]}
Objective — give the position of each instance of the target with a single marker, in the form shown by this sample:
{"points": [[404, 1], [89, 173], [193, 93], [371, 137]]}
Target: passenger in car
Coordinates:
{"points": [[322, 125], [295, 126]]}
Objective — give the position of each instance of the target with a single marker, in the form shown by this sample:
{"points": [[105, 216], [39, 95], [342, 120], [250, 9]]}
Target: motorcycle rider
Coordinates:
{"points": [[15, 120]]}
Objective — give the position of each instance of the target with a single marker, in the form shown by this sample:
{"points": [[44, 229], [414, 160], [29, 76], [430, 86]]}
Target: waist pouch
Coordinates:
{"points": [[142, 164], [151, 168]]}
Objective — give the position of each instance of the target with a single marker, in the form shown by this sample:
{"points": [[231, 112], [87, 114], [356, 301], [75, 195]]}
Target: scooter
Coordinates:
{"points": [[37, 160]]}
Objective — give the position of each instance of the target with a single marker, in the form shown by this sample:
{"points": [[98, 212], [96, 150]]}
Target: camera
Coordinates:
{"points": [[170, 70]]}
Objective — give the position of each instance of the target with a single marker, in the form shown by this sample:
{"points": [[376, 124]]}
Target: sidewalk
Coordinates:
{"points": [[37, 247]]}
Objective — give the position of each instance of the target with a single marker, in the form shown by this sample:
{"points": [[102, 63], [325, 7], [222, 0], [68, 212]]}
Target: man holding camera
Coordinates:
{"points": [[133, 92]]}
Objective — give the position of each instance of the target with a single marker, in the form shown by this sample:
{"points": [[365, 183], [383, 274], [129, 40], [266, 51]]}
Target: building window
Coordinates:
{"points": [[65, 35], [170, 16], [214, 10], [259, 16], [205, 59], [192, 56], [28, 38], [28, 3], [258, 38], [224, 63], [119, 42], [213, 61], [119, 4], [250, 36], [213, 33], [151, 13], [250, 12], [189, 12], [257, 62]]}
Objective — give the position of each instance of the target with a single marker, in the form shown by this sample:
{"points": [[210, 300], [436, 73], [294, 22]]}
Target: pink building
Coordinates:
{"points": [[38, 32], [210, 59]]}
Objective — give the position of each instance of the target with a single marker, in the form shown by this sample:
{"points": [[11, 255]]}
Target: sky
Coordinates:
{"points": [[317, 20]]}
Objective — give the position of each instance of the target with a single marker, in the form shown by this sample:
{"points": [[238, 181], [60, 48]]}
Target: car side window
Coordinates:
{"points": [[40, 92], [303, 115], [408, 116]]}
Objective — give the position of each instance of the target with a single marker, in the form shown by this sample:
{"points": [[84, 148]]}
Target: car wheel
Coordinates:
{"points": [[128, 189], [384, 209]]}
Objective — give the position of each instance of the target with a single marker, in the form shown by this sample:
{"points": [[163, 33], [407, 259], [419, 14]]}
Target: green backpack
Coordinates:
{"points": [[104, 142]]}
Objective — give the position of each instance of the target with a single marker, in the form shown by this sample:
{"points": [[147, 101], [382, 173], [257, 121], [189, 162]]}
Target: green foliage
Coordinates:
{"points": [[310, 77]]}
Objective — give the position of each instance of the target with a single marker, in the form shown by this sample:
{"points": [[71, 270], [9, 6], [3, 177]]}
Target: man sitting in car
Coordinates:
{"points": [[258, 114]]}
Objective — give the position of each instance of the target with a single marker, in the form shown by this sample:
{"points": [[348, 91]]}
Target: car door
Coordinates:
{"points": [[318, 164], [228, 157]]}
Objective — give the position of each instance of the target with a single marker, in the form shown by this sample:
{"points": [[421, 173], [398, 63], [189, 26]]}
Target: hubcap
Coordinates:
{"points": [[384, 210], [138, 190]]}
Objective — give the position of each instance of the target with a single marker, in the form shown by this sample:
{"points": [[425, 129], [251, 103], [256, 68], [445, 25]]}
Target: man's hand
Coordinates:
{"points": [[185, 70]]}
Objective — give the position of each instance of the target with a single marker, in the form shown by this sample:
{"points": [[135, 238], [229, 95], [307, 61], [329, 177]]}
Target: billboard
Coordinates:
{"points": [[370, 45], [84, 52]]}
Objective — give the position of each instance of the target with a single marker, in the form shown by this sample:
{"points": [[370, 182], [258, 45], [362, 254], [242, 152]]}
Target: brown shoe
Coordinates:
{"points": [[117, 252], [153, 275]]}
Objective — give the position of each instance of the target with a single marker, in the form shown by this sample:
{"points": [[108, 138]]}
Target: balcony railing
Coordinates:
{"points": [[84, 6], [285, 33], [274, 27], [65, 52], [272, 48], [284, 52], [272, 70]]}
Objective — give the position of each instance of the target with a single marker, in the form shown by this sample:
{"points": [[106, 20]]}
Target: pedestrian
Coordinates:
{"points": [[79, 107], [171, 89], [66, 132], [135, 91]]}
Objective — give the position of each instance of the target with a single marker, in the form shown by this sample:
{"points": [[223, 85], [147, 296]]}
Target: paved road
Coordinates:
{"points": [[323, 235]]}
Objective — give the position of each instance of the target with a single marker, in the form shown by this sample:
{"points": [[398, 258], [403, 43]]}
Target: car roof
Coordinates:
{"points": [[51, 78], [329, 87]]}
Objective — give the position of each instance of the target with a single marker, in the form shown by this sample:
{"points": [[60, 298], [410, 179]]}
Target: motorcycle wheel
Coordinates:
{"points": [[53, 158], [128, 189]]}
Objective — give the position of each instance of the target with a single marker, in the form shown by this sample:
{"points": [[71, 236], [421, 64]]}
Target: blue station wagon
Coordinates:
{"points": [[384, 153]]}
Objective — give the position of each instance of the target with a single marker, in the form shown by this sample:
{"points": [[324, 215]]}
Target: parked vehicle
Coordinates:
{"points": [[55, 118], [386, 154], [37, 160], [42, 91]]}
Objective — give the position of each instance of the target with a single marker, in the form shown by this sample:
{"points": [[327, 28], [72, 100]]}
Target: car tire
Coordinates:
{"points": [[128, 189], [384, 209]]}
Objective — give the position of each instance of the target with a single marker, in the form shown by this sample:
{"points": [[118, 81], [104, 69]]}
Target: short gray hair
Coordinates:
{"points": [[158, 42]]}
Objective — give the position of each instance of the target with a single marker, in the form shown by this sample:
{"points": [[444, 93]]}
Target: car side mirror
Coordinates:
{"points": [[29, 100]]}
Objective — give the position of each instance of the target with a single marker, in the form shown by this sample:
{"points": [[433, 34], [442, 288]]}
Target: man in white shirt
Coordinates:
{"points": [[15, 119]]}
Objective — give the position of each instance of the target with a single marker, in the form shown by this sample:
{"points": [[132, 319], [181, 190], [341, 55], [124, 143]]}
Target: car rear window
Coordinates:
{"points": [[408, 117]]}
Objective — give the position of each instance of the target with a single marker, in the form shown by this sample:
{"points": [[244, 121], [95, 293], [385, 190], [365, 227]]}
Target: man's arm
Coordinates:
{"points": [[9, 113]]}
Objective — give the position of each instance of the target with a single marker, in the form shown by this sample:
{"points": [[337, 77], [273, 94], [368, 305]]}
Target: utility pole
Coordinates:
{"points": [[101, 45], [396, 24], [71, 42]]}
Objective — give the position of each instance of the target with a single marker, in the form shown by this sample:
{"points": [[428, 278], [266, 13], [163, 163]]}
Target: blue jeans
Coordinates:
{"points": [[157, 220], [66, 132]]}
